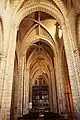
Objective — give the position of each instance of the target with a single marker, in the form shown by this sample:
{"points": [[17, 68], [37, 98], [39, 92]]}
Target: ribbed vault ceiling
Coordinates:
{"points": [[39, 54], [41, 61]]}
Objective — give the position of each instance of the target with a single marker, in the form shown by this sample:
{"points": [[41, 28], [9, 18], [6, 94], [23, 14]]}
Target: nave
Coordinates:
{"points": [[41, 79], [39, 59]]}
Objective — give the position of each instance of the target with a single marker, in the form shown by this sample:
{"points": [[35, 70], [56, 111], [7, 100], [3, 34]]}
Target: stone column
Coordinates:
{"points": [[2, 61], [73, 65], [50, 94], [8, 78], [20, 85], [26, 89], [2, 66], [54, 91], [14, 102], [74, 45], [60, 85], [63, 82]]}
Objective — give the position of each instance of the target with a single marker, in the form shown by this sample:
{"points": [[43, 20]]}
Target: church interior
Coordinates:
{"points": [[39, 60]]}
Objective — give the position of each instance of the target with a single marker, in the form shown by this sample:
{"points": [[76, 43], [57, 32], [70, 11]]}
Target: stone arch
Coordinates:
{"points": [[34, 27], [36, 39], [43, 40], [47, 56], [53, 11], [58, 3], [42, 69], [61, 19], [40, 7]]}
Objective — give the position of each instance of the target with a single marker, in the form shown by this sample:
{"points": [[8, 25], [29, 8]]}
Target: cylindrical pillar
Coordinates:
{"points": [[8, 79]]}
